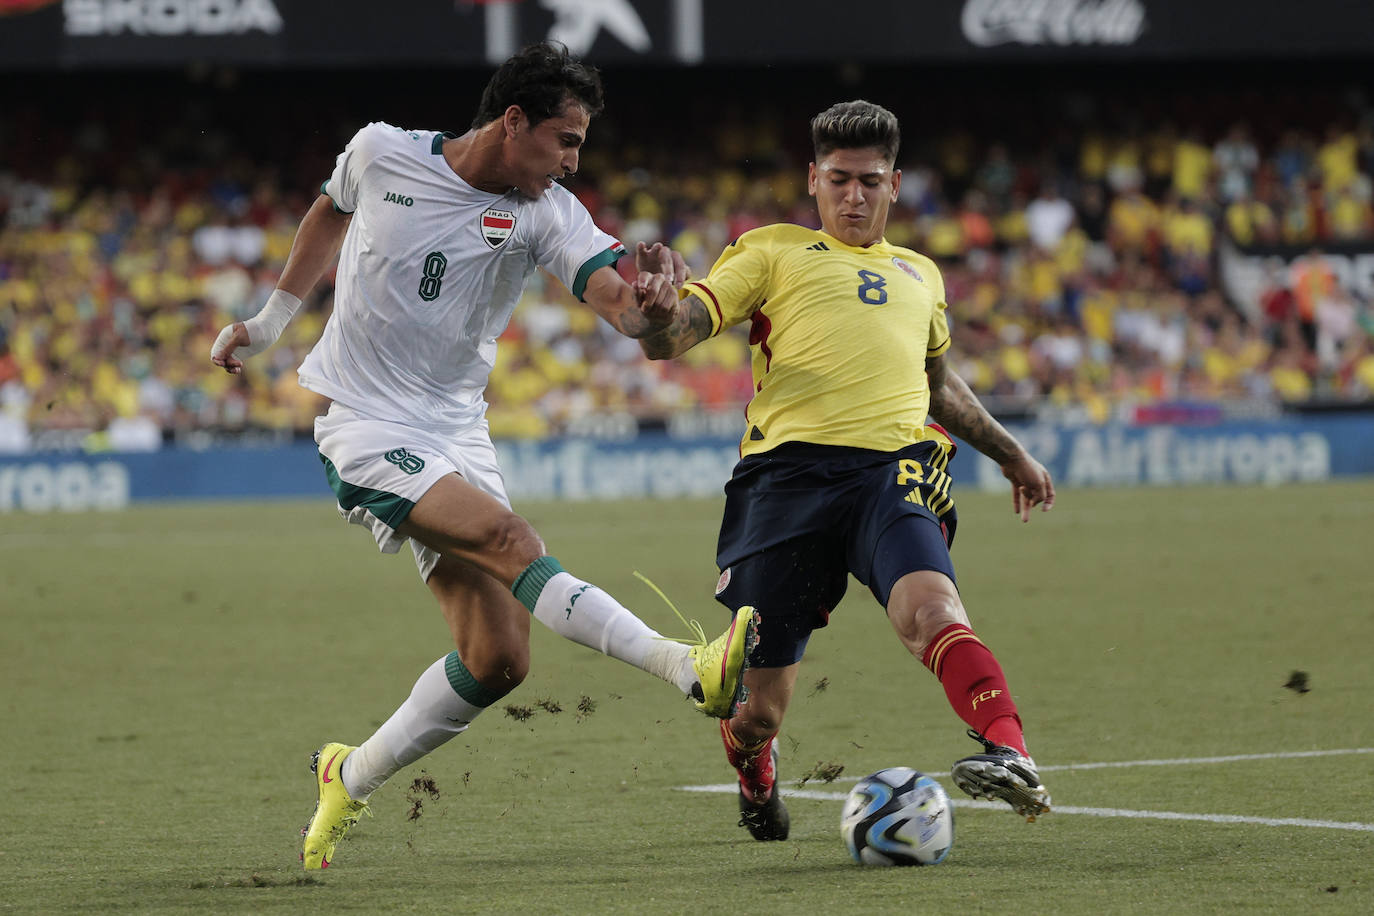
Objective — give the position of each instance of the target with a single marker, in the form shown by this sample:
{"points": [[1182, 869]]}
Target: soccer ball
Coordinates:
{"points": [[898, 816]]}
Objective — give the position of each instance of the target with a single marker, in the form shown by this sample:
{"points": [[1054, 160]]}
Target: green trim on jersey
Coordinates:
{"points": [[467, 686], [595, 263], [388, 507], [437, 147], [337, 209]]}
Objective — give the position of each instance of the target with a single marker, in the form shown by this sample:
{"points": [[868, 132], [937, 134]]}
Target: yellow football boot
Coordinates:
{"points": [[335, 811], [720, 665]]}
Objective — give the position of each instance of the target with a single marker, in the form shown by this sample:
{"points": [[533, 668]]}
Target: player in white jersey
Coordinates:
{"points": [[439, 235]]}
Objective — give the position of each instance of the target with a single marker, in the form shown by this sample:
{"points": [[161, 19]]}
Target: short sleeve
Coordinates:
{"points": [[342, 186], [939, 339], [737, 283], [569, 245]]}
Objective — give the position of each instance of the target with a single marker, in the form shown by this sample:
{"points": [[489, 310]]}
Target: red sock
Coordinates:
{"points": [[975, 685], [753, 761]]}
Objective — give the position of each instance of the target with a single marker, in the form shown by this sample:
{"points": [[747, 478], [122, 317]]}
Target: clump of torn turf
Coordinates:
{"points": [[1297, 682], [824, 771], [519, 713], [423, 784]]}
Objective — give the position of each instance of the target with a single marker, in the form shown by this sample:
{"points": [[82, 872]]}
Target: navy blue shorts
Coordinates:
{"points": [[801, 518]]}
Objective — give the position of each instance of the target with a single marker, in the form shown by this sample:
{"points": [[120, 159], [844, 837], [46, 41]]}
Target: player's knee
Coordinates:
{"points": [[929, 615], [757, 719], [499, 668], [513, 537]]}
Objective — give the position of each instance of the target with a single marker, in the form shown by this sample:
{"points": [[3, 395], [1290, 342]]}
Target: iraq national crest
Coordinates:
{"points": [[497, 226]]}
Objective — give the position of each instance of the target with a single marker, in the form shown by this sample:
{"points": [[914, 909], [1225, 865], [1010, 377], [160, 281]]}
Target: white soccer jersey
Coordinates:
{"points": [[430, 272]]}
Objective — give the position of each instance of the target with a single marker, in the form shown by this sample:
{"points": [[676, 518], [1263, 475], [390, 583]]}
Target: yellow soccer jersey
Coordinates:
{"points": [[839, 335]]}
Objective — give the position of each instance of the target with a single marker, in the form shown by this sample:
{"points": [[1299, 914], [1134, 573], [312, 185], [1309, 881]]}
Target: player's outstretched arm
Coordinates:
{"points": [[316, 244], [648, 308], [955, 407], [635, 310], [689, 327]]}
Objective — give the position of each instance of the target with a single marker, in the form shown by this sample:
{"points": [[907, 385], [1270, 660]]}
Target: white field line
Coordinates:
{"points": [[1188, 761], [730, 788]]}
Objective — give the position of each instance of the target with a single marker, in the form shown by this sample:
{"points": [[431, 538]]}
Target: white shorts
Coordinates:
{"points": [[379, 470]]}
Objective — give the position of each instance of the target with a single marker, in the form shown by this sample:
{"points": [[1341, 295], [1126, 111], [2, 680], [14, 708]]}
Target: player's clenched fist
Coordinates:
{"points": [[657, 298], [242, 339], [658, 258], [230, 338]]}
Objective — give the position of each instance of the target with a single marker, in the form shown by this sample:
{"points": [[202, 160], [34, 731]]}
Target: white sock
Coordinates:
{"points": [[430, 716], [585, 614]]}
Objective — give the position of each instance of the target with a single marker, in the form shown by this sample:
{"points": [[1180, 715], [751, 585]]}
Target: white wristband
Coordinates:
{"points": [[266, 326]]}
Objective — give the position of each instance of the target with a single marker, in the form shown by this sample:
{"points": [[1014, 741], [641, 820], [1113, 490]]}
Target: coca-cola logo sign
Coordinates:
{"points": [[1053, 22]]}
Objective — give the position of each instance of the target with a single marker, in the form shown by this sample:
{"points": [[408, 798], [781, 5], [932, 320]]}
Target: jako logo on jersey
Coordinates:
{"points": [[411, 464], [398, 199], [723, 581], [907, 269], [497, 226]]}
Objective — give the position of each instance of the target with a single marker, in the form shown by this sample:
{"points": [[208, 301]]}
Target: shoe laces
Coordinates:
{"points": [[698, 637], [988, 746]]}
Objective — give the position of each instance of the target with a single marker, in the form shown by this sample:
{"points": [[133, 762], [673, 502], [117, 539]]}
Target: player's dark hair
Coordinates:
{"points": [[856, 125], [539, 79]]}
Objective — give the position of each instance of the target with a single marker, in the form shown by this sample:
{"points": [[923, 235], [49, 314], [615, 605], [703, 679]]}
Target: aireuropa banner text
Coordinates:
{"points": [[657, 466]]}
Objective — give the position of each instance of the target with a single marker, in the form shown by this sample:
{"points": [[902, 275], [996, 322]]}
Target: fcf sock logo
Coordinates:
{"points": [[985, 696]]}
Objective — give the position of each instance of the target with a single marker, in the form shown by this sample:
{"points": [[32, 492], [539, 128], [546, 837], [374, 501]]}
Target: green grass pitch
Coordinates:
{"points": [[167, 671]]}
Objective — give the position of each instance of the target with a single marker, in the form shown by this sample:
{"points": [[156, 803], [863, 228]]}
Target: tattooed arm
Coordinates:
{"points": [[647, 305], [955, 407], [689, 327]]}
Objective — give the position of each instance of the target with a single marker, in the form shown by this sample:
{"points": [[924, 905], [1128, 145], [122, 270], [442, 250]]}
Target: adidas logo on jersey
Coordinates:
{"points": [[398, 199], [819, 246]]}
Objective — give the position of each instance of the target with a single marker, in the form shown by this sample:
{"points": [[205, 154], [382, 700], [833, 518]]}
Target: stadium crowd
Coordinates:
{"points": [[1082, 272]]}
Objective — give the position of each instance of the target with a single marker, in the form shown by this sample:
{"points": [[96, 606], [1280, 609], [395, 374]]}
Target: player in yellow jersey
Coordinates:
{"points": [[839, 471]]}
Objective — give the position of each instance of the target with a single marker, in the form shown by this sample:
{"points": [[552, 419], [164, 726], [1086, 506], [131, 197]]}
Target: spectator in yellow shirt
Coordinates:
{"points": [[1338, 158], [1187, 230], [1249, 221], [1348, 216], [1132, 222], [1192, 166]]}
